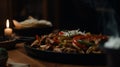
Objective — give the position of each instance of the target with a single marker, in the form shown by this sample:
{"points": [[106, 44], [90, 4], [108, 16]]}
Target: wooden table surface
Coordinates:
{"points": [[18, 55]]}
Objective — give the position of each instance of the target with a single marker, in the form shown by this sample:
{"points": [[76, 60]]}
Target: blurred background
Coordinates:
{"points": [[86, 15]]}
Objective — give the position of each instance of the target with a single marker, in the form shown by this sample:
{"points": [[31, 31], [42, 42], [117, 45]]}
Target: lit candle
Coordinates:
{"points": [[8, 30]]}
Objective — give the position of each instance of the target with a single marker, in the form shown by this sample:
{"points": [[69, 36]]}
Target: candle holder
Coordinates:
{"points": [[7, 43]]}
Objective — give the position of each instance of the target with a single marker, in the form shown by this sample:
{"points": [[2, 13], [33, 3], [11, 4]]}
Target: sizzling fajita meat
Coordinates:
{"points": [[70, 42]]}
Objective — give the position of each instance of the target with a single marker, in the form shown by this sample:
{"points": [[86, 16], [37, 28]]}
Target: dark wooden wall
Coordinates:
{"points": [[64, 14]]}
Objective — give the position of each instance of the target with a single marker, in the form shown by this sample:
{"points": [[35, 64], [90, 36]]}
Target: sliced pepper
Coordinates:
{"points": [[85, 42]]}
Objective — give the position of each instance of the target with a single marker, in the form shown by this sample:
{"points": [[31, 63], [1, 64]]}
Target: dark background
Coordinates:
{"points": [[86, 15]]}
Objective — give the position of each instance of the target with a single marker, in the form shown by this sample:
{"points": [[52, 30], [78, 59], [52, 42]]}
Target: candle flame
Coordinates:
{"points": [[7, 23]]}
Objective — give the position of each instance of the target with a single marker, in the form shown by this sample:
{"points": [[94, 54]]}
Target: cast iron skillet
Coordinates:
{"points": [[78, 59]]}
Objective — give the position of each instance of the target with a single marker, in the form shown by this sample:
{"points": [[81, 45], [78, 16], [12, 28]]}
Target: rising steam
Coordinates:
{"points": [[109, 22]]}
